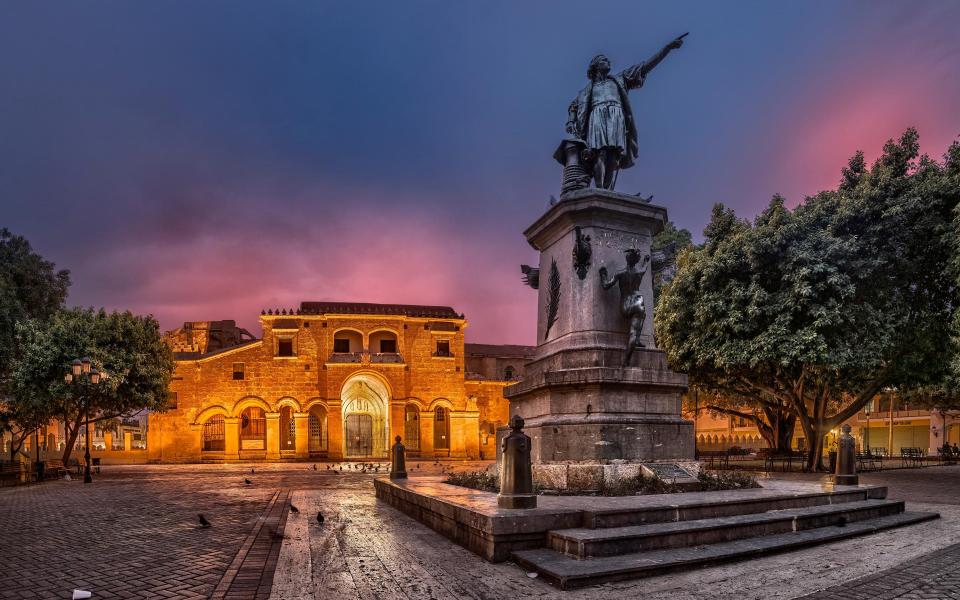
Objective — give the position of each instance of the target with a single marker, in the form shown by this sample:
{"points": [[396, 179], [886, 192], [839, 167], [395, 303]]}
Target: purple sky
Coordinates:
{"points": [[206, 160]]}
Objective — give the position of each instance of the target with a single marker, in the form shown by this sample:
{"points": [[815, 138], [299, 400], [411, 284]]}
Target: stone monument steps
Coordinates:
{"points": [[733, 503], [611, 541], [567, 572]]}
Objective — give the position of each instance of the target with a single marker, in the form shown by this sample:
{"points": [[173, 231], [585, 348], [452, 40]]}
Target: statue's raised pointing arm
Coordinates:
{"points": [[601, 123]]}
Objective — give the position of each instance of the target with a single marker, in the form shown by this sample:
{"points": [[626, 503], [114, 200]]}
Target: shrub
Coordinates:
{"points": [[477, 480], [711, 481]]}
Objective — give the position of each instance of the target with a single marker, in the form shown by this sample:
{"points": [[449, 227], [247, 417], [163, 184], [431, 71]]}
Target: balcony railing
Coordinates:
{"points": [[366, 357]]}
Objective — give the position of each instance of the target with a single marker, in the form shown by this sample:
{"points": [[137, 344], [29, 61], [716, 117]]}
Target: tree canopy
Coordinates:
{"points": [[128, 347], [820, 307]]}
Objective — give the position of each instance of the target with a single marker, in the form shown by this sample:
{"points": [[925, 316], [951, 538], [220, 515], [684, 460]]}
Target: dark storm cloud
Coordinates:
{"points": [[204, 160]]}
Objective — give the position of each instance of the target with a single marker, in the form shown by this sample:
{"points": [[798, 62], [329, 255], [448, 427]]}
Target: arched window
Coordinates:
{"points": [[441, 428], [347, 341], [213, 434], [318, 429], [411, 427]]}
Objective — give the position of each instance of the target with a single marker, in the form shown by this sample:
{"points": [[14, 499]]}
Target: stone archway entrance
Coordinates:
{"points": [[366, 425]]}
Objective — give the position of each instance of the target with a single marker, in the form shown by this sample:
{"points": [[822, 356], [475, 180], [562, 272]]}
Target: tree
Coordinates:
{"points": [[30, 288], [664, 248], [820, 307], [128, 347]]}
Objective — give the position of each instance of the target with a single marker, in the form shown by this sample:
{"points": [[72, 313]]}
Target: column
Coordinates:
{"points": [[301, 423], [426, 434], [231, 438], [334, 431], [273, 435], [107, 440], [458, 447]]}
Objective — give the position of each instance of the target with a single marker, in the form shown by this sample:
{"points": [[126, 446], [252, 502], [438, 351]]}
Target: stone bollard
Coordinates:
{"points": [[846, 473], [398, 466], [516, 474]]}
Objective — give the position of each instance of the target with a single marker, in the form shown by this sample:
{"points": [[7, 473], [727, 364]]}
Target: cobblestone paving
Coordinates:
{"points": [[132, 534], [934, 576]]}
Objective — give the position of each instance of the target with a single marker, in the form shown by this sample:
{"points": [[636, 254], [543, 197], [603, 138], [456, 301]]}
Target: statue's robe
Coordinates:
{"points": [[627, 79]]}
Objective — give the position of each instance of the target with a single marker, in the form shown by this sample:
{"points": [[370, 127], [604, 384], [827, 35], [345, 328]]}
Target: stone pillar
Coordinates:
{"points": [[846, 459], [335, 446], [516, 474], [231, 438], [273, 435], [583, 407], [301, 422], [128, 441], [426, 434], [398, 461], [458, 434]]}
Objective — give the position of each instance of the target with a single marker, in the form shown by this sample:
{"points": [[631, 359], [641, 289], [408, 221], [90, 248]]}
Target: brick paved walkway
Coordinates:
{"points": [[935, 576], [132, 534]]}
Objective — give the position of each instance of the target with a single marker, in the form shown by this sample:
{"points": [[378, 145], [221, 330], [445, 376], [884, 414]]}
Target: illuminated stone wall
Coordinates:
{"points": [[398, 393]]}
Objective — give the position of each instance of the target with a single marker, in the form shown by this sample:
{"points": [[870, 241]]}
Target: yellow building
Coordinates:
{"points": [[886, 425], [335, 381]]}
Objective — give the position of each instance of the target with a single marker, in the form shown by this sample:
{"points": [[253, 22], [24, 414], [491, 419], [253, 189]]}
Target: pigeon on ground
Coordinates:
{"points": [[204, 523], [294, 509], [328, 467], [314, 467], [842, 522], [320, 518], [247, 481], [251, 470]]}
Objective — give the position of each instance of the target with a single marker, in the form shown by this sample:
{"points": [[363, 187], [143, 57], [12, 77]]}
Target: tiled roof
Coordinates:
{"points": [[499, 350], [367, 308]]}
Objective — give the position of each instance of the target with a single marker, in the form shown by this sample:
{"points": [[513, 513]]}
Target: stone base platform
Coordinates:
{"points": [[555, 537]]}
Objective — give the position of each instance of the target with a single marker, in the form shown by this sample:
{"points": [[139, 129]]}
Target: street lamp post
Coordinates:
{"points": [[866, 435], [78, 369]]}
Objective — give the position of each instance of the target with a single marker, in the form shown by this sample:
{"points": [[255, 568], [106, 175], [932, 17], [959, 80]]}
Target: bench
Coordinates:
{"points": [[53, 469], [867, 461], [712, 457], [784, 459], [912, 456], [12, 472], [947, 455]]}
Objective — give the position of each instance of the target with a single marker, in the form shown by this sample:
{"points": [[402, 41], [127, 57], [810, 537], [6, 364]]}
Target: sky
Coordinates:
{"points": [[206, 160]]}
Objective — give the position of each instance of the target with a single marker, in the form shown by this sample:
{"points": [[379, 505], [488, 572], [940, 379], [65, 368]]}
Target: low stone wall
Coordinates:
{"points": [[492, 533]]}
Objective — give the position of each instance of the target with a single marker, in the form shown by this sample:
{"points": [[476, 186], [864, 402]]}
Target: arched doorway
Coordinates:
{"points": [[411, 427], [441, 430], [288, 430], [253, 429], [317, 429], [366, 428]]}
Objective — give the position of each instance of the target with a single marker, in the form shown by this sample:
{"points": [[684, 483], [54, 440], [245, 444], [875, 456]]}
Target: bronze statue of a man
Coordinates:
{"points": [[600, 116], [631, 300]]}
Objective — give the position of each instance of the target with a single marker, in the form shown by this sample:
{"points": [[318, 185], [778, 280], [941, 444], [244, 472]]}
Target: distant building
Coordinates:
{"points": [[874, 427], [334, 380]]}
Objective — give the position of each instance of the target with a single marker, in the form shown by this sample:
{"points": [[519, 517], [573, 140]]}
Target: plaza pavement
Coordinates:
{"points": [[132, 534]]}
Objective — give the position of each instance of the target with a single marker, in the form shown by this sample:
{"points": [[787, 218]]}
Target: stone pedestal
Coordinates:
{"points": [[584, 410]]}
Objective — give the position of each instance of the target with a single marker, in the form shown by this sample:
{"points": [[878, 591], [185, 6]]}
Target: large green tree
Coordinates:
{"points": [[128, 347], [30, 288], [820, 307]]}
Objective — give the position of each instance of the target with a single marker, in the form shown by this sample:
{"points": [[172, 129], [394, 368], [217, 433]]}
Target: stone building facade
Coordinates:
{"points": [[334, 381]]}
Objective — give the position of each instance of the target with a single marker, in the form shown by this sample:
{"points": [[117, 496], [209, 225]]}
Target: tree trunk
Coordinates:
{"points": [[785, 427], [815, 452], [72, 435]]}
